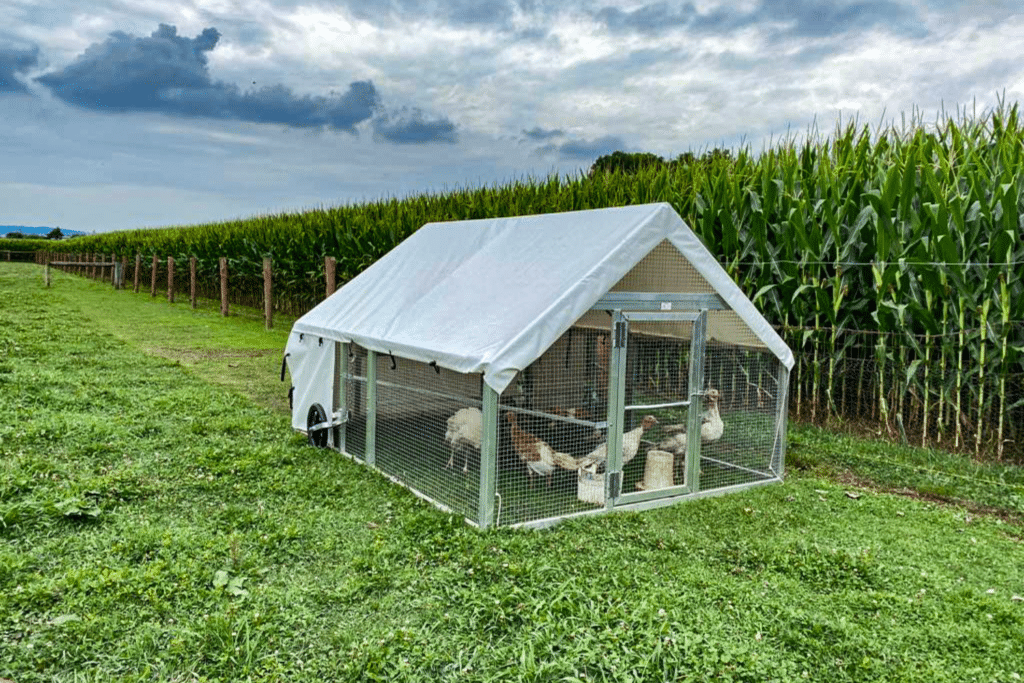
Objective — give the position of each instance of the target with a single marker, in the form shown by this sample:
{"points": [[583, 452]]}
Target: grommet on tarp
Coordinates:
{"points": [[321, 341], [394, 365], [301, 335], [434, 365]]}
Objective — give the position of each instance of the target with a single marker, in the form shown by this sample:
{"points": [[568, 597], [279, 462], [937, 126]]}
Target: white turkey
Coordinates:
{"points": [[711, 428], [630, 446], [464, 431]]}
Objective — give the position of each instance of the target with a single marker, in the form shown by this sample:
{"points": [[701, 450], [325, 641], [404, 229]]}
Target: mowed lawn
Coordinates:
{"points": [[159, 521]]}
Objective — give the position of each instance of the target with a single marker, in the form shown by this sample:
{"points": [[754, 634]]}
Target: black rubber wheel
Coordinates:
{"points": [[317, 437]]}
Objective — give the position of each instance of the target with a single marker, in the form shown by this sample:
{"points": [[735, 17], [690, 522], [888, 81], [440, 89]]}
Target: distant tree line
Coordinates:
{"points": [[54, 234], [633, 162]]}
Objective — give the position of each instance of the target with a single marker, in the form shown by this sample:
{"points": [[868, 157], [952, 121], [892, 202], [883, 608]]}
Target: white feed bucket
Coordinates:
{"points": [[657, 472], [590, 487]]}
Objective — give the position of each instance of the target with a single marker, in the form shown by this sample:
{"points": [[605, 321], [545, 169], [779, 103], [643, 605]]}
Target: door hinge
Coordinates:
{"points": [[621, 334], [614, 484]]}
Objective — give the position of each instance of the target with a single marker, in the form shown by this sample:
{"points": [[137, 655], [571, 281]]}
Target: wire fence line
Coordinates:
{"points": [[928, 388], [944, 403]]}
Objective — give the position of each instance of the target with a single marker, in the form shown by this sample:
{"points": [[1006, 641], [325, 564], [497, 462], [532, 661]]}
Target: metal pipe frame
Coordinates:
{"points": [[488, 458], [660, 301], [370, 449]]}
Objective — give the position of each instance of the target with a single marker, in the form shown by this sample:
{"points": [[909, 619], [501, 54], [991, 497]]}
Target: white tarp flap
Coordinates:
{"points": [[311, 366], [490, 296]]}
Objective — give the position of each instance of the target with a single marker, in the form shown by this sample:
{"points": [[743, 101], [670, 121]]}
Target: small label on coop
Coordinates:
{"points": [[666, 305]]}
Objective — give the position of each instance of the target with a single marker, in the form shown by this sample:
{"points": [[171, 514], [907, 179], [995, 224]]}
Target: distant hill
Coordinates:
{"points": [[26, 230]]}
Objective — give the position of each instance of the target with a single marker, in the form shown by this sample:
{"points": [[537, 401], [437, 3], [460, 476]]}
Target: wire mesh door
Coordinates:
{"points": [[661, 389]]}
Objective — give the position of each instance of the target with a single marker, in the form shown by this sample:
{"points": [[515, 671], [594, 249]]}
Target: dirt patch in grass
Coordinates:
{"points": [[854, 480], [196, 355]]}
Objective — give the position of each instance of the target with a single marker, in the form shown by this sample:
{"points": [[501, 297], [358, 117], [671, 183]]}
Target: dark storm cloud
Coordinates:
{"points": [[539, 134], [168, 73], [411, 127], [588, 150], [806, 18], [14, 61]]}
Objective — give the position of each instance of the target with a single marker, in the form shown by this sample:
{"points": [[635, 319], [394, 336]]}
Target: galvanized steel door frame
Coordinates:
{"points": [[614, 496]]}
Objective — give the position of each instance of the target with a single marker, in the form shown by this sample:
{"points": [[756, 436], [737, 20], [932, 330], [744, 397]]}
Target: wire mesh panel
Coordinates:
{"points": [[549, 421], [742, 414], [429, 431]]}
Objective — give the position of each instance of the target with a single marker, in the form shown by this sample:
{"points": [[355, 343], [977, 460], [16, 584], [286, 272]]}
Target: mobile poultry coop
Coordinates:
{"points": [[517, 371]]}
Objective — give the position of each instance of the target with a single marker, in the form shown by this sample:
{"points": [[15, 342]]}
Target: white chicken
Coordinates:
{"points": [[464, 431], [711, 428], [539, 457], [630, 446]]}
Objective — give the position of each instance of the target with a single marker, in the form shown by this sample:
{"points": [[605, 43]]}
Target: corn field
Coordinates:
{"points": [[891, 260]]}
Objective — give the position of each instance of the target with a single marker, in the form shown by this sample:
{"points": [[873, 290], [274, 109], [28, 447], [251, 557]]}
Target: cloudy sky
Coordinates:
{"points": [[119, 114]]}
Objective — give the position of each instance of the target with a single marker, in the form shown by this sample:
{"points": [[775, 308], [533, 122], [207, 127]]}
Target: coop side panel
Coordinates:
{"points": [[429, 432], [752, 389], [549, 423]]}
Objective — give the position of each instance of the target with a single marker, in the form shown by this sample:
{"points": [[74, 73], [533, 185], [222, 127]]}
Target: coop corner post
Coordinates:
{"points": [[340, 408], [616, 408], [693, 413], [781, 416], [370, 454], [488, 458]]}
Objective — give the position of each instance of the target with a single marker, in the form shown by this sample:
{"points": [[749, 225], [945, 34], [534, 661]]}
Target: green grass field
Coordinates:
{"points": [[160, 522]]}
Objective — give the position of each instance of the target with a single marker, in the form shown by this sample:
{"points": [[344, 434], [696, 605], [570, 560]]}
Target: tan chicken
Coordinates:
{"points": [[711, 428], [464, 431], [630, 446], [539, 457]]}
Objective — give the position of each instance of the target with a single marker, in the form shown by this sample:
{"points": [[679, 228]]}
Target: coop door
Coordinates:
{"points": [[660, 358]]}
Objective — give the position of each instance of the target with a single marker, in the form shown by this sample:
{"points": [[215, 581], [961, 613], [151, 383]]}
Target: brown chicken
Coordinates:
{"points": [[539, 457]]}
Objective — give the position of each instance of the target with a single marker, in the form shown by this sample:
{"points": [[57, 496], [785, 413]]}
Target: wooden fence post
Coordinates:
{"points": [[268, 299], [113, 271], [92, 268], [170, 279], [330, 266], [138, 266], [192, 281], [46, 272], [223, 285], [124, 271], [152, 285]]}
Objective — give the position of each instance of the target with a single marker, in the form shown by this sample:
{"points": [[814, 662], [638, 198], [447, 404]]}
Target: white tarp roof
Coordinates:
{"points": [[490, 296]]}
